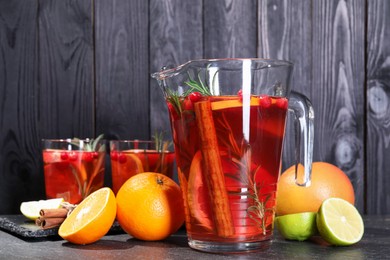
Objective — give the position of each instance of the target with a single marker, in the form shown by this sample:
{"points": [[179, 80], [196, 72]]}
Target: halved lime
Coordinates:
{"points": [[339, 222], [30, 209], [299, 226]]}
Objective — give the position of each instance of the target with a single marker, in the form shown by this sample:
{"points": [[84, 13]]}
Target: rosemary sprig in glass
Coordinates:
{"points": [[161, 145], [89, 145]]}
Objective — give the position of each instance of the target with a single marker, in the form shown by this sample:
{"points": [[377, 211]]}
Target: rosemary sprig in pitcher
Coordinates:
{"points": [[197, 88]]}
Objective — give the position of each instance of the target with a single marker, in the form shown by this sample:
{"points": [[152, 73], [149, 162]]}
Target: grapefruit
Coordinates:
{"points": [[327, 181]]}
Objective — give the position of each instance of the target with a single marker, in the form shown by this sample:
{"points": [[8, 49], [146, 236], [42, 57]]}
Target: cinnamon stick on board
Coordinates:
{"points": [[212, 170], [50, 218], [54, 213], [47, 223]]}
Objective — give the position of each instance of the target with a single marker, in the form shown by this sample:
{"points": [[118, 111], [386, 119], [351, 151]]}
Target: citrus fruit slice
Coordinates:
{"points": [[30, 209], [217, 105], [339, 222], [91, 219], [299, 226], [150, 206], [125, 166], [197, 194], [134, 163]]}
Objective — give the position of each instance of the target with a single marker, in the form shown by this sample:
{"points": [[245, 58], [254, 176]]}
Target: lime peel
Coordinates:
{"points": [[298, 226]]}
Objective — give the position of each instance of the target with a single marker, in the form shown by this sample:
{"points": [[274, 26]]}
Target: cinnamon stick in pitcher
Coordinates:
{"points": [[212, 170]]}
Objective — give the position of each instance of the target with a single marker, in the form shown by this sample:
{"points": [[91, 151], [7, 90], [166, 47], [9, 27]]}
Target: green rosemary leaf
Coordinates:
{"points": [[202, 85], [174, 98], [94, 143], [75, 141], [89, 145], [161, 145]]}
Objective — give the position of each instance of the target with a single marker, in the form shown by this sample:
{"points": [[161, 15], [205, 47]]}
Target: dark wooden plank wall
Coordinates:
{"points": [[377, 173], [122, 69], [82, 67]]}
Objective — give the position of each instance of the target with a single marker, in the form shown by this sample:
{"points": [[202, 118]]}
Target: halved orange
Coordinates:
{"points": [[91, 219]]}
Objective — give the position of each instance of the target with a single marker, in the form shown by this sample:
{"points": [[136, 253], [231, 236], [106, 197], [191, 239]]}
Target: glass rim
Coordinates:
{"points": [[271, 63], [133, 141], [68, 140]]}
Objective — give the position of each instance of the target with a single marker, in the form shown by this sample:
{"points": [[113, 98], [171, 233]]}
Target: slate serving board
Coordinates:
{"points": [[19, 226]]}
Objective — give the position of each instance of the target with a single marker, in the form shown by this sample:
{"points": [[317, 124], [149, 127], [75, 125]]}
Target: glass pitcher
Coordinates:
{"points": [[228, 123]]}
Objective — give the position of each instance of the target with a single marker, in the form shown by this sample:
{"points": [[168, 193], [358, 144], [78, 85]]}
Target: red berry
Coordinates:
{"points": [[172, 111], [265, 101], [72, 156], [239, 94], [64, 156], [282, 103], [95, 155], [171, 108], [195, 96], [88, 156], [187, 104], [122, 158], [114, 155]]}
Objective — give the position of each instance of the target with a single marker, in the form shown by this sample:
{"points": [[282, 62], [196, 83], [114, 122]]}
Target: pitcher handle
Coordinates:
{"points": [[303, 110]]}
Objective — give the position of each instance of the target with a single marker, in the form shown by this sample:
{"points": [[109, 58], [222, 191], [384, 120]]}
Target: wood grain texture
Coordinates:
{"points": [[122, 69], [338, 87], [20, 175], [176, 36], [285, 32], [325, 41], [66, 69], [230, 29], [378, 107]]}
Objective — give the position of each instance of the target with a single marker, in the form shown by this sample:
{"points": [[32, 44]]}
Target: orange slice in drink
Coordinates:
{"points": [[127, 165], [217, 105], [135, 163], [198, 197], [91, 219]]}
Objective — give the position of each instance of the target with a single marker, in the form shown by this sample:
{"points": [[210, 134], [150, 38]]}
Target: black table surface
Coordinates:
{"points": [[374, 245]]}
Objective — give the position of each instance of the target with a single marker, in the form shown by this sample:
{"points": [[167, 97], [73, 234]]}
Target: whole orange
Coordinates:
{"points": [[150, 206], [327, 181]]}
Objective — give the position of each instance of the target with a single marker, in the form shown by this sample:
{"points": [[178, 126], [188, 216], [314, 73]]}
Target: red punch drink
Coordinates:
{"points": [[228, 124], [232, 194], [72, 172], [129, 158]]}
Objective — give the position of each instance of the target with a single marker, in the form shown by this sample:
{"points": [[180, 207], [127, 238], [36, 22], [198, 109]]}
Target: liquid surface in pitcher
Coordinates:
{"points": [[249, 144]]}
